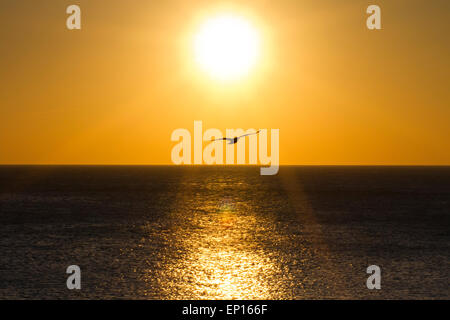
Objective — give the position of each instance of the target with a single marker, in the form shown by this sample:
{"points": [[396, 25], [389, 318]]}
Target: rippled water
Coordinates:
{"points": [[224, 232]]}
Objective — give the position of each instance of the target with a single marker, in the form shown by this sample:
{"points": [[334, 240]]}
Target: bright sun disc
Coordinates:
{"points": [[227, 47]]}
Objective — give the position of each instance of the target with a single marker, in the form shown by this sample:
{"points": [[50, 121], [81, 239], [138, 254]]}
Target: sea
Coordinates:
{"points": [[224, 232]]}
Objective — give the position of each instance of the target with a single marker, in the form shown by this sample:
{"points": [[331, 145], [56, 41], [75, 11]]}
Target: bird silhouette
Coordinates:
{"points": [[235, 139]]}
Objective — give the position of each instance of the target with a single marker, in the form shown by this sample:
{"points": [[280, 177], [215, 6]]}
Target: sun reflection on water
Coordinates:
{"points": [[230, 274], [225, 265], [217, 258]]}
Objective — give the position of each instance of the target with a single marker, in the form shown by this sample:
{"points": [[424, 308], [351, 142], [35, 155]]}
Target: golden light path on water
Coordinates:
{"points": [[219, 262], [217, 252], [224, 240], [225, 266]]}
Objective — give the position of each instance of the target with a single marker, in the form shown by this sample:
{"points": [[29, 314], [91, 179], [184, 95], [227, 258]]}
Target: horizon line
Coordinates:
{"points": [[220, 165]]}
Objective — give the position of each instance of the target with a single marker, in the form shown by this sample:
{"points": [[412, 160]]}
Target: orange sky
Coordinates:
{"points": [[113, 92]]}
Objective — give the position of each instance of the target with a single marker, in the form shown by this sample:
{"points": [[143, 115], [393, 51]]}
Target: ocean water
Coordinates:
{"points": [[157, 232]]}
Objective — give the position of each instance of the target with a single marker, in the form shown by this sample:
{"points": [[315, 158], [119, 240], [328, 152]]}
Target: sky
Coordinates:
{"points": [[114, 91]]}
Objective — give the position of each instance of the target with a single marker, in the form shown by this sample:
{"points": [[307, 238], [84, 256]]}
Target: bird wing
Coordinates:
{"points": [[229, 139], [248, 134]]}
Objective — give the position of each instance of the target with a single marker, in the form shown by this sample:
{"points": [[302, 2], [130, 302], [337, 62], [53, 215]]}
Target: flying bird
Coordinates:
{"points": [[235, 139]]}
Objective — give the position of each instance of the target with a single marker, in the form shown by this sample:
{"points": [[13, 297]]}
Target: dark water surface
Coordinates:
{"points": [[224, 232]]}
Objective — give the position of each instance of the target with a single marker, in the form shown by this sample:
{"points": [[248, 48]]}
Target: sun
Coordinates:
{"points": [[227, 47]]}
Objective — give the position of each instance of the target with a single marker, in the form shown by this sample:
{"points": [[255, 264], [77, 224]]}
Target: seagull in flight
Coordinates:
{"points": [[235, 139]]}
